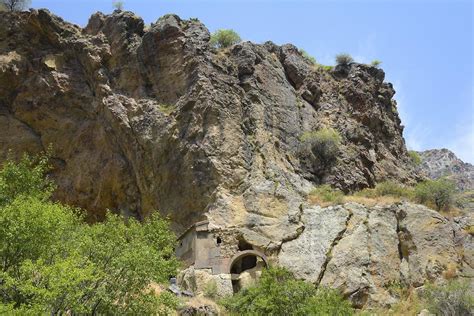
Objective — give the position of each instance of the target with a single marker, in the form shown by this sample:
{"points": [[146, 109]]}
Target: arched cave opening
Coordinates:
{"points": [[246, 269]]}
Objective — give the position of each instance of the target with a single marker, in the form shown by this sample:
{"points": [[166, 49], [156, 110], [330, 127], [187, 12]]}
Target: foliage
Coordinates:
{"points": [[311, 59], [392, 189], [210, 290], [27, 177], [327, 194], [118, 5], [321, 146], [326, 67], [344, 59], [278, 293], [52, 262], [224, 38], [14, 5], [453, 298], [439, 193], [415, 157], [166, 108], [376, 63]]}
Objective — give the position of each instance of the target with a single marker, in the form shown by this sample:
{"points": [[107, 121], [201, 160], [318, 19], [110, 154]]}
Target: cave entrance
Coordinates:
{"points": [[246, 267]]}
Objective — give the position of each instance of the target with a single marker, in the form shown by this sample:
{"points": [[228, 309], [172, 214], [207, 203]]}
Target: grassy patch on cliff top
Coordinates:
{"points": [[440, 195]]}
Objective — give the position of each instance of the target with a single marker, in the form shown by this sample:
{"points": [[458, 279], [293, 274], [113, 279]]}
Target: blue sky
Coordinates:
{"points": [[426, 48]]}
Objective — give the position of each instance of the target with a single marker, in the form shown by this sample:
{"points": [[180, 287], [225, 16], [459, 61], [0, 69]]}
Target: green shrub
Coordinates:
{"points": [[453, 298], [327, 194], [439, 193], [308, 56], [325, 67], [52, 262], [224, 38], [376, 63], [210, 290], [344, 59], [415, 157], [322, 146], [118, 5], [327, 302], [278, 293], [166, 108], [392, 189]]}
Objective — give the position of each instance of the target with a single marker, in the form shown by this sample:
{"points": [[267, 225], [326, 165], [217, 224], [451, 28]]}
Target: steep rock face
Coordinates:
{"points": [[437, 163], [157, 119], [363, 251]]}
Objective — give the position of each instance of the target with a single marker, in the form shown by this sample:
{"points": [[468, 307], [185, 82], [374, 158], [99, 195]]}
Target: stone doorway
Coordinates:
{"points": [[245, 268]]}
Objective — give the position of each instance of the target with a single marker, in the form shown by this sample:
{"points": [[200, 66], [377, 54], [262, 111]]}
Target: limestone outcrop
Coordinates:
{"points": [[154, 118], [437, 163], [364, 251]]}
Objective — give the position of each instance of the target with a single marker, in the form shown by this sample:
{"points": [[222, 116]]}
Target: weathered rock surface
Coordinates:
{"points": [[362, 251], [155, 119], [437, 163]]}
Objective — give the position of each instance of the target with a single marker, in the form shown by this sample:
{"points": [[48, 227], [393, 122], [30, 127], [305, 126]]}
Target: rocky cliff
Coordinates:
{"points": [[143, 119], [437, 163], [154, 118]]}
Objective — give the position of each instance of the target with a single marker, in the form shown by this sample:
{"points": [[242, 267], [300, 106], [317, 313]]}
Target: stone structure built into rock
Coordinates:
{"points": [[205, 251], [145, 119]]}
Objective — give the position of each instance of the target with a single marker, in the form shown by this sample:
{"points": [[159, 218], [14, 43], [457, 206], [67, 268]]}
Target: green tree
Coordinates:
{"points": [[224, 38], [278, 293], [439, 193], [52, 262]]}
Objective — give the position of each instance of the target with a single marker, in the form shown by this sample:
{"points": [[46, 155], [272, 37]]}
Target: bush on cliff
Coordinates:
{"points": [[439, 193], [51, 262], [321, 147], [278, 293], [326, 194], [415, 157], [453, 298], [224, 38], [344, 59]]}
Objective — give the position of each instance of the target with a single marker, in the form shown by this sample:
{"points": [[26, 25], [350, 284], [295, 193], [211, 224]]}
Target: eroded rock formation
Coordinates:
{"points": [[145, 119]]}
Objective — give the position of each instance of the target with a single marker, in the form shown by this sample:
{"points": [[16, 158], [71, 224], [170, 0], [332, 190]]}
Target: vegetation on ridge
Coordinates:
{"points": [[224, 38], [438, 194]]}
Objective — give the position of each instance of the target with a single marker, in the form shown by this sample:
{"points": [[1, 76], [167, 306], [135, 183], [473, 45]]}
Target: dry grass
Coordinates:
{"points": [[371, 201], [451, 271], [366, 201]]}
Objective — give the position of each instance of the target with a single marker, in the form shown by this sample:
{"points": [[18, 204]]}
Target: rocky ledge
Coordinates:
{"points": [[154, 118]]}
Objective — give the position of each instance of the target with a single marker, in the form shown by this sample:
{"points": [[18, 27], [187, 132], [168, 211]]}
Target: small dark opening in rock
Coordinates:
{"points": [[243, 245], [218, 240]]}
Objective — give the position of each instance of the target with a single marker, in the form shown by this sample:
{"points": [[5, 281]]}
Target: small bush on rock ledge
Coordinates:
{"points": [[224, 38], [453, 298], [344, 59], [322, 144]]}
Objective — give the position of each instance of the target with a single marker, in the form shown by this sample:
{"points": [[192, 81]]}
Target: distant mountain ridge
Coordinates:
{"points": [[438, 163]]}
